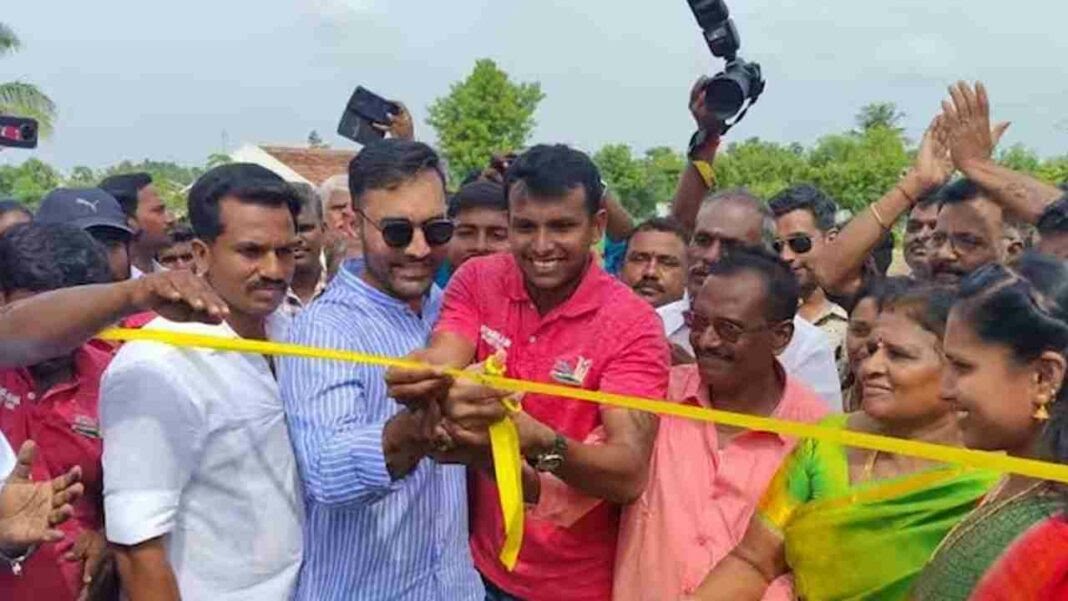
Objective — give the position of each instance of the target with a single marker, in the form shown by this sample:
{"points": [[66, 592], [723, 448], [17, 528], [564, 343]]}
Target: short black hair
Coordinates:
{"points": [[387, 164], [307, 196], [1054, 219], [659, 224], [553, 171], [10, 205], [124, 188], [48, 256], [478, 194], [780, 284], [243, 181], [808, 198], [925, 303], [958, 191], [181, 232]]}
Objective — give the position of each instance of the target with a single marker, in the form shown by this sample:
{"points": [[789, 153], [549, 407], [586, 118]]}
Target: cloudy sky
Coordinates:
{"points": [[180, 80]]}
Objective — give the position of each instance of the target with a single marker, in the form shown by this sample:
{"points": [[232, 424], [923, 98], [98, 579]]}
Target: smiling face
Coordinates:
{"points": [[967, 236], [990, 390], [551, 237], [480, 231], [901, 375]]}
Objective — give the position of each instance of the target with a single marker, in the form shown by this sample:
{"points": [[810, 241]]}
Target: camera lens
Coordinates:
{"points": [[27, 131], [725, 94]]}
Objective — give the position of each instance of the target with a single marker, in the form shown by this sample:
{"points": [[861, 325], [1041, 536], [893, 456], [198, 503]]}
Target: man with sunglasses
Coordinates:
{"points": [[382, 522], [554, 316], [705, 480], [804, 219], [732, 220]]}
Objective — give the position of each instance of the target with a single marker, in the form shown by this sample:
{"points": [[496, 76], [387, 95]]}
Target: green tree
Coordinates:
{"points": [[486, 113], [626, 177], [22, 99], [857, 169], [1020, 158], [218, 158], [82, 177], [879, 114], [764, 168], [29, 182], [316, 141]]}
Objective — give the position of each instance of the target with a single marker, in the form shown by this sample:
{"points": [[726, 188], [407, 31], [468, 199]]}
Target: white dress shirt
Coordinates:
{"points": [[198, 452], [671, 315], [809, 358]]}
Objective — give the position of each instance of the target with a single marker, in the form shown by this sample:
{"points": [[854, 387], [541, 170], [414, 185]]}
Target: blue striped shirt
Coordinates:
{"points": [[367, 537]]}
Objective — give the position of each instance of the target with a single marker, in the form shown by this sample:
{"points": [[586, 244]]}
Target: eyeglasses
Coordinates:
{"points": [[399, 231], [726, 329], [799, 244]]}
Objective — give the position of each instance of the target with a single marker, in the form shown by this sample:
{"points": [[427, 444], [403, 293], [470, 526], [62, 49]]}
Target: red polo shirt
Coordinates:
{"points": [[602, 338], [64, 423]]}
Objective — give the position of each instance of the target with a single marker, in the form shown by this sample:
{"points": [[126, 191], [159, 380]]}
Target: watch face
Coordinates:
{"points": [[549, 463]]}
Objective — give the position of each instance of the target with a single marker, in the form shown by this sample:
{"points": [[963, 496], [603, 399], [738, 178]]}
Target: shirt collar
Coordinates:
{"points": [[790, 407], [587, 297], [350, 276], [671, 315], [830, 310]]}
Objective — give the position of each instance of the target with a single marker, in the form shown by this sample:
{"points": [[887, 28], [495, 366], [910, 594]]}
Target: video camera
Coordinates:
{"points": [[18, 132], [727, 92]]}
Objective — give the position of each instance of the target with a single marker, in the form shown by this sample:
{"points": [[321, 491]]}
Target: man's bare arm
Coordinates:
{"points": [[620, 223], [145, 572], [692, 189], [55, 323]]}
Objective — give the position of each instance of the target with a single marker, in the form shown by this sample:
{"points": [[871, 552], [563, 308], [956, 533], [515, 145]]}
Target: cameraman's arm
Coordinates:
{"points": [[692, 188], [620, 223]]}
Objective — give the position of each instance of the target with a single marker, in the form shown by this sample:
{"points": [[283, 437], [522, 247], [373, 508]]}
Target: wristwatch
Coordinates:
{"points": [[551, 460]]}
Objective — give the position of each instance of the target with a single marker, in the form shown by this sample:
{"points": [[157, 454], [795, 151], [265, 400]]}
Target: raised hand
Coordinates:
{"points": [[704, 119], [933, 166], [30, 511], [178, 296], [401, 126], [970, 138]]}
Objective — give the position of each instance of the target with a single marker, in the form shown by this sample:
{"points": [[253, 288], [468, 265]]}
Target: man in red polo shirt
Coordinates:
{"points": [[54, 402], [556, 317]]}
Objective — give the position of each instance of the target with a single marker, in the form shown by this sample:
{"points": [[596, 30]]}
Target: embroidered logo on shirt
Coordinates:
{"points": [[499, 342], [9, 399], [563, 372], [86, 426]]}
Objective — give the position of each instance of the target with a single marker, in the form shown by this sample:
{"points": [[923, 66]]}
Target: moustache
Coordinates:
{"points": [[713, 353], [269, 285], [647, 284]]}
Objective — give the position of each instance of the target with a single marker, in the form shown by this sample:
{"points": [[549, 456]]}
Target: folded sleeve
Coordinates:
{"points": [[154, 429], [336, 439]]}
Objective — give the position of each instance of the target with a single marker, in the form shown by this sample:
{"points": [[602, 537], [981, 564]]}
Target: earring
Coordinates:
{"points": [[1041, 413]]}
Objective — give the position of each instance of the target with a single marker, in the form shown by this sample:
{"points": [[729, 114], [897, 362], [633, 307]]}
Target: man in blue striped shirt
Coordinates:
{"points": [[383, 520]]}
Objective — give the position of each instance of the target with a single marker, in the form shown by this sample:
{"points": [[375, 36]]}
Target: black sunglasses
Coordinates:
{"points": [[800, 244], [399, 231]]}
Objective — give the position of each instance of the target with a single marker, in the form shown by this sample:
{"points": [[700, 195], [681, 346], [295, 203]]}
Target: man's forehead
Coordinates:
{"points": [[737, 294], [974, 215], [658, 242], [729, 219]]}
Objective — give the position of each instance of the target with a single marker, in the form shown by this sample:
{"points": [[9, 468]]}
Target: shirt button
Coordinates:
{"points": [[702, 540], [32, 396], [533, 339]]}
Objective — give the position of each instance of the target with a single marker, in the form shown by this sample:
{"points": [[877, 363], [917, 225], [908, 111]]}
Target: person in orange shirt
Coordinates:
{"points": [[705, 480]]}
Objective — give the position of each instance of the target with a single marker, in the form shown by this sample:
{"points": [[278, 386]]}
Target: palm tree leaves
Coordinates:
{"points": [[21, 99]]}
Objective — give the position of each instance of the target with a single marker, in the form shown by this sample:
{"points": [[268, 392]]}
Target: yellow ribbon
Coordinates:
{"points": [[508, 468], [997, 462]]}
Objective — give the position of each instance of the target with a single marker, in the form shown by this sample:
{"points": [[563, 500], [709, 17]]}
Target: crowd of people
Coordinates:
{"points": [[151, 471]]}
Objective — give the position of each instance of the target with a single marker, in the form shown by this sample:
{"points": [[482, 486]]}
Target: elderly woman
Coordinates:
{"points": [[1006, 347], [857, 524]]}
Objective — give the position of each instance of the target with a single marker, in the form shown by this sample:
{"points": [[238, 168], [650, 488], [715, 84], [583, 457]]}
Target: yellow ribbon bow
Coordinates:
{"points": [[508, 468]]}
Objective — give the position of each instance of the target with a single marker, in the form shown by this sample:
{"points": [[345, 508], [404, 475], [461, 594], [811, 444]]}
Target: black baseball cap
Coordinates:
{"points": [[82, 207]]}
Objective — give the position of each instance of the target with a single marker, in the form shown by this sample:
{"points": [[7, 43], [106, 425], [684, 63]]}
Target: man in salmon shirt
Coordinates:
{"points": [[705, 480], [556, 317], [54, 402]]}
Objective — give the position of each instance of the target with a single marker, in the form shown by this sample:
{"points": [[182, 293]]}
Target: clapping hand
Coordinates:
{"points": [[30, 511], [970, 138]]}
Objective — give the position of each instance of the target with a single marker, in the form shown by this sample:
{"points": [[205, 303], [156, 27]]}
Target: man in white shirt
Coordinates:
{"points": [[654, 266], [735, 219], [201, 488]]}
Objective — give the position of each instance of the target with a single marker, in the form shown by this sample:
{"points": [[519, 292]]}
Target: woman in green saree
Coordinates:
{"points": [[855, 524], [1006, 343]]}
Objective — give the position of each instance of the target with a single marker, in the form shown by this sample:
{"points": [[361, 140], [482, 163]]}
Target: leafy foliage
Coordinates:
{"points": [[23, 99], [484, 114]]}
